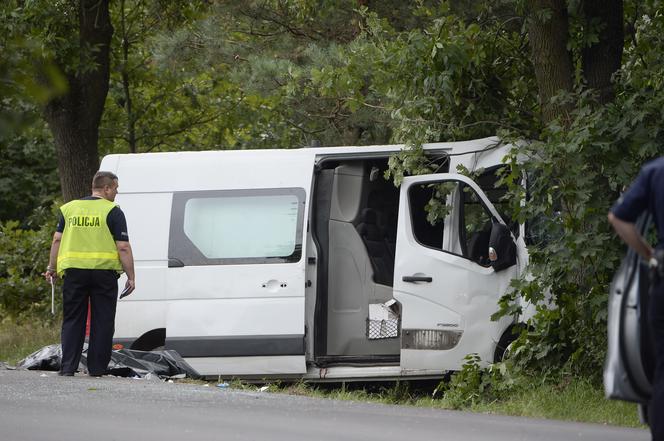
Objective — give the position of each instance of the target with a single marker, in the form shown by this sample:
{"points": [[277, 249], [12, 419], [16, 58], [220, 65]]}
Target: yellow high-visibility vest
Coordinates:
{"points": [[86, 242]]}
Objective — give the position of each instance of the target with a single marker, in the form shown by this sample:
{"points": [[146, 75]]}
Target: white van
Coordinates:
{"points": [[307, 263]]}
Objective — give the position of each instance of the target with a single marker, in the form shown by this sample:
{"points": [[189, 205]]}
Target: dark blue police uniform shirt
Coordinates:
{"points": [[645, 193], [115, 220]]}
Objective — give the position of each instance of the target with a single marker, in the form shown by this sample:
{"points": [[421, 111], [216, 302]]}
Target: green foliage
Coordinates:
{"points": [[397, 393], [28, 79], [578, 172], [453, 79], [149, 107], [23, 258], [27, 73], [409, 162], [563, 398], [303, 69], [466, 385], [445, 87], [474, 384], [43, 47], [560, 397], [27, 160]]}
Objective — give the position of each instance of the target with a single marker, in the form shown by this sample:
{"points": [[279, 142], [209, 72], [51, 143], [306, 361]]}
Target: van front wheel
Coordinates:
{"points": [[505, 343]]}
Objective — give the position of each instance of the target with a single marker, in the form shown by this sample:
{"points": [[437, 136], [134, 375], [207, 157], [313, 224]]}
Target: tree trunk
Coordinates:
{"points": [[74, 118], [548, 35], [126, 82], [603, 59]]}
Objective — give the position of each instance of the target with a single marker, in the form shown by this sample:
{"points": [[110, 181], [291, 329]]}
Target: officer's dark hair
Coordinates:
{"points": [[102, 179]]}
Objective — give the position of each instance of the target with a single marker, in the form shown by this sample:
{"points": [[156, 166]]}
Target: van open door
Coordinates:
{"points": [[446, 281], [629, 366]]}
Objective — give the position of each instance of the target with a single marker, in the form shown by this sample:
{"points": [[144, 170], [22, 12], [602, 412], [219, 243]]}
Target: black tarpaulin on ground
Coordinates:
{"points": [[124, 362], [47, 358], [164, 364]]}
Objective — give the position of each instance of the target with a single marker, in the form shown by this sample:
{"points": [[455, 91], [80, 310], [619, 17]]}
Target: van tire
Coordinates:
{"points": [[504, 344]]}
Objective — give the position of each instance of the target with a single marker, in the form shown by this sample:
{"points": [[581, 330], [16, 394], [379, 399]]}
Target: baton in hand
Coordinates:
{"points": [[52, 296]]}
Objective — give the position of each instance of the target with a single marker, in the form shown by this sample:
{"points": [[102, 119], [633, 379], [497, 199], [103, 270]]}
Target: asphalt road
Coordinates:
{"points": [[36, 406]]}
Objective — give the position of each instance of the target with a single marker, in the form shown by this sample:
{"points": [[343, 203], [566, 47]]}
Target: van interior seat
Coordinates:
{"points": [[384, 199], [391, 234], [359, 265], [375, 240]]}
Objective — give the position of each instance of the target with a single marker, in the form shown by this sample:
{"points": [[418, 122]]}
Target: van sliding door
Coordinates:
{"points": [[236, 280]]}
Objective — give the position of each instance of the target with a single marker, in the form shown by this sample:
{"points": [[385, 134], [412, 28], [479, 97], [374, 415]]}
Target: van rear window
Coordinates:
{"points": [[237, 226]]}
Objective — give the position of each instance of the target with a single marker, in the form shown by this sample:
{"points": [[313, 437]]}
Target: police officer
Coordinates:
{"points": [[647, 194], [90, 248]]}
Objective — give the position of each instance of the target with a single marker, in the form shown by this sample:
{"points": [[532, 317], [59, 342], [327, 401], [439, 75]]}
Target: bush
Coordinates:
{"points": [[474, 384], [575, 174], [23, 258], [455, 81]]}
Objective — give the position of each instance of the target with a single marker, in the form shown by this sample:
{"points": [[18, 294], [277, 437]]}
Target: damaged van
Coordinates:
{"points": [[307, 263]]}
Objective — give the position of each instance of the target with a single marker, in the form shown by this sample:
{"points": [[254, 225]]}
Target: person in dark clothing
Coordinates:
{"points": [[90, 249], [647, 194]]}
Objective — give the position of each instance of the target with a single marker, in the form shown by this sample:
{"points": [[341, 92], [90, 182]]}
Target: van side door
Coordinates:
{"points": [[444, 278], [236, 265]]}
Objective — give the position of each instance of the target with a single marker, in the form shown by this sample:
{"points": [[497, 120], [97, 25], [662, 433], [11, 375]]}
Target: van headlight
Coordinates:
{"points": [[431, 339]]}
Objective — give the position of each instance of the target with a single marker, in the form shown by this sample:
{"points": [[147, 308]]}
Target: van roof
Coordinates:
{"points": [[264, 168], [456, 148]]}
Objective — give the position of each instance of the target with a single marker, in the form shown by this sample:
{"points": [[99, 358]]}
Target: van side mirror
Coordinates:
{"points": [[502, 249]]}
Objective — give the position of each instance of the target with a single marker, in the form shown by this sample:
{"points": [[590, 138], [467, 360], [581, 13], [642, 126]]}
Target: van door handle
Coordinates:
{"points": [[413, 279]]}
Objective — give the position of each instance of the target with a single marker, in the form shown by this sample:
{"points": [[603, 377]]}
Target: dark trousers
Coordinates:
{"points": [[656, 321], [100, 288]]}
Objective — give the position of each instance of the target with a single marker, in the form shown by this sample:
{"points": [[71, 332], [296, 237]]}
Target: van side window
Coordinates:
{"points": [[232, 227], [427, 233], [488, 182], [450, 216]]}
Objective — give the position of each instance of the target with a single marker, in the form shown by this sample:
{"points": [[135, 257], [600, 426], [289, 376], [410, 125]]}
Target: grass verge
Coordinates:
{"points": [[573, 400], [17, 340]]}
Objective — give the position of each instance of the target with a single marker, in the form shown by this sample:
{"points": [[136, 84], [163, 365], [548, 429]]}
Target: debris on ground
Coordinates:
{"points": [[167, 364]]}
